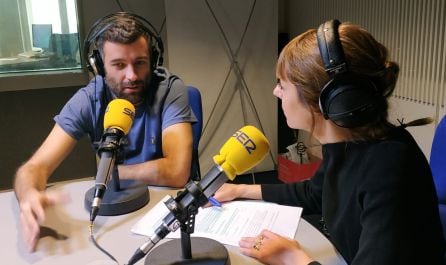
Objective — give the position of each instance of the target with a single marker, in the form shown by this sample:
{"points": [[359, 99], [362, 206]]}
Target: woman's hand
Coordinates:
{"points": [[273, 249], [227, 192], [230, 192]]}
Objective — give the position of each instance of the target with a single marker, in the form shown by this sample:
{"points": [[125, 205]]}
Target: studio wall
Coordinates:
{"points": [[227, 49]]}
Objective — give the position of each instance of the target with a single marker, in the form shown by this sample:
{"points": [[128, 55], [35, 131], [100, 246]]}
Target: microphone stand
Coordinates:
{"points": [[186, 230], [206, 250], [121, 196]]}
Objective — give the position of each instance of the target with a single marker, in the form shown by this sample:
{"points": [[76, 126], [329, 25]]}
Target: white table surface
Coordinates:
{"points": [[112, 233]]}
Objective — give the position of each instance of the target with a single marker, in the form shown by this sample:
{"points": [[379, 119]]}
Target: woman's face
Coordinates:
{"points": [[298, 116]]}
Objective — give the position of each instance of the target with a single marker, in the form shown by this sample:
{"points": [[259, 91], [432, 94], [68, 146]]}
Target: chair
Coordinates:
{"points": [[195, 104], [438, 167]]}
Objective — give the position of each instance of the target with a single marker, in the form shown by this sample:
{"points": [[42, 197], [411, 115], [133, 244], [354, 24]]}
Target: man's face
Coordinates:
{"points": [[127, 68]]}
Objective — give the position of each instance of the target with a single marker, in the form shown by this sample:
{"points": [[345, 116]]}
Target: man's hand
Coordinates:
{"points": [[32, 213]]}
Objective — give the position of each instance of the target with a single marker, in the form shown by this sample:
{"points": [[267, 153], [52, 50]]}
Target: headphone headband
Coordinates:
{"points": [[330, 48], [94, 59]]}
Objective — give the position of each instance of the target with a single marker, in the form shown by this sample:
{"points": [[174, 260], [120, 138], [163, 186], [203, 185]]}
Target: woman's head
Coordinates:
{"points": [[300, 64]]}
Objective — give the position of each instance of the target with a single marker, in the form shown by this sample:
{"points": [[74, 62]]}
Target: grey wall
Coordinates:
{"points": [[227, 49], [26, 119]]}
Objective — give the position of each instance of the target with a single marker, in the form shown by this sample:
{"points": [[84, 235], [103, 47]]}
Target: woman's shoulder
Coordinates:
{"points": [[398, 142], [397, 155]]}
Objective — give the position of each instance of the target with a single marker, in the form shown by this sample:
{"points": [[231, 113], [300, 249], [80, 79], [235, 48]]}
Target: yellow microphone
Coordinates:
{"points": [[119, 114], [241, 152], [118, 120], [244, 150]]}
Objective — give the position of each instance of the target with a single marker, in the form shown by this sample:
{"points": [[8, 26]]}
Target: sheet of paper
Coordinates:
{"points": [[227, 224], [152, 219]]}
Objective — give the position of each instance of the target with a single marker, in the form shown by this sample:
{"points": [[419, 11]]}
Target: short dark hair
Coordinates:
{"points": [[124, 30]]}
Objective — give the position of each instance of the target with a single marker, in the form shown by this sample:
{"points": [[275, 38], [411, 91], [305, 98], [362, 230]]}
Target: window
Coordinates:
{"points": [[40, 36]]}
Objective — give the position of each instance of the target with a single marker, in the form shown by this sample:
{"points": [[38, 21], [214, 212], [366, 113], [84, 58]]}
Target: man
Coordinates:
{"points": [[158, 147]]}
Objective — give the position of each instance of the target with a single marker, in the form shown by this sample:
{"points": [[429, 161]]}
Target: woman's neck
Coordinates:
{"points": [[328, 132]]}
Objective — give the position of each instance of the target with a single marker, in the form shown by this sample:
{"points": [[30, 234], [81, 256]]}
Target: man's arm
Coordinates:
{"points": [[173, 168], [31, 179], [36, 171]]}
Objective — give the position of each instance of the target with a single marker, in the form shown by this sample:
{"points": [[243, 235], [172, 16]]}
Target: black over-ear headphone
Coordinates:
{"points": [[348, 99], [94, 59]]}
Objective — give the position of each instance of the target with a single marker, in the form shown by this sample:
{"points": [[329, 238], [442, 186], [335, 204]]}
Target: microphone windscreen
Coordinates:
{"points": [[244, 150], [119, 114]]}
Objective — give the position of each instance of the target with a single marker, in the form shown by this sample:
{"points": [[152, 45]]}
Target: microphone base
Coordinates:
{"points": [[204, 251], [130, 197]]}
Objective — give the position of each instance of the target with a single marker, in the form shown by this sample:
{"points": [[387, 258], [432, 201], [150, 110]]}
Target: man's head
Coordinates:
{"points": [[125, 52]]}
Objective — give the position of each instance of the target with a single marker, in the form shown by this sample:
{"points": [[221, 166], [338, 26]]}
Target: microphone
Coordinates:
{"points": [[243, 150], [118, 119]]}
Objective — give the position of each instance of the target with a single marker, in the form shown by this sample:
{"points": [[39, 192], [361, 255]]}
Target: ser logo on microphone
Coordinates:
{"points": [[125, 111], [244, 139], [129, 112]]}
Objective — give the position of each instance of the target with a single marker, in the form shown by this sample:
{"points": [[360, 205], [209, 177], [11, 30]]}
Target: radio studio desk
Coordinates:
{"points": [[72, 244]]}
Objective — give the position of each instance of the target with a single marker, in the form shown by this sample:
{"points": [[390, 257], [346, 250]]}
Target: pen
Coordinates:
{"points": [[214, 202]]}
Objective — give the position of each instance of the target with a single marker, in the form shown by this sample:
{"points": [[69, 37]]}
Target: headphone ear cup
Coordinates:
{"points": [[95, 64], [349, 100]]}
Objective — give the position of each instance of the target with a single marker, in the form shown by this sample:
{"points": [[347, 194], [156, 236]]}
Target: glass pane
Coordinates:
{"points": [[43, 36]]}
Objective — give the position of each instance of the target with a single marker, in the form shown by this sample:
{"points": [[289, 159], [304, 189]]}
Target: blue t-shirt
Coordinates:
{"points": [[166, 104]]}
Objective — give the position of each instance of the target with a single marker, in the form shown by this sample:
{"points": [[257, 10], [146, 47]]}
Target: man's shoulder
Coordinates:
{"points": [[93, 89], [167, 78], [95, 84], [162, 72], [168, 83]]}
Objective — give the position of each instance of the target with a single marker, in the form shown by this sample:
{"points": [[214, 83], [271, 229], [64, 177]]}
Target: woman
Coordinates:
{"points": [[374, 188]]}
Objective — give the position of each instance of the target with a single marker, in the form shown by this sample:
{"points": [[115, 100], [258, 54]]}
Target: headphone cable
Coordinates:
{"points": [[95, 243]]}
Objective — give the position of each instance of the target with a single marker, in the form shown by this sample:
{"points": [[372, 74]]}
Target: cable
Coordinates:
{"points": [[98, 246], [119, 4], [233, 55], [162, 25], [239, 72]]}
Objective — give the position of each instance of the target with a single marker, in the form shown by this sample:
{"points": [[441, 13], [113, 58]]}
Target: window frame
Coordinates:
{"points": [[58, 78], [48, 79]]}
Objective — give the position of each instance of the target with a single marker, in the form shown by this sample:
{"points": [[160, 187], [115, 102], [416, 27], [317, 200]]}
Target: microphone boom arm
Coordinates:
{"points": [[242, 151], [187, 202]]}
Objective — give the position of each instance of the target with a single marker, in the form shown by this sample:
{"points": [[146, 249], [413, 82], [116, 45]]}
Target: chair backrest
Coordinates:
{"points": [[438, 167], [195, 104]]}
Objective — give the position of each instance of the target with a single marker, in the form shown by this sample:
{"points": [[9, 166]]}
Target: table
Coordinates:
{"points": [[72, 245]]}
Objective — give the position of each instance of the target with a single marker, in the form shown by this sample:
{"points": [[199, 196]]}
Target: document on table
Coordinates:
{"points": [[227, 224]]}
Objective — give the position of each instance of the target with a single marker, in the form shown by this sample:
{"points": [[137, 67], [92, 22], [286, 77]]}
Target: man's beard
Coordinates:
{"points": [[118, 89]]}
